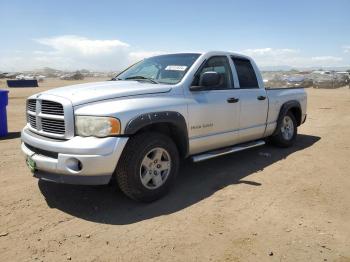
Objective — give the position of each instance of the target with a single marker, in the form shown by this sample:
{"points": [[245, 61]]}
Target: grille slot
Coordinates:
{"points": [[32, 121], [53, 126], [31, 105], [51, 108]]}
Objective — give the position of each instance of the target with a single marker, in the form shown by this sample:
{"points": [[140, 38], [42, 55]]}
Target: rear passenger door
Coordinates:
{"points": [[253, 101]]}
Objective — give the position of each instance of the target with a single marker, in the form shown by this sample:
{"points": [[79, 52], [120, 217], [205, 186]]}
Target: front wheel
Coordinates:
{"points": [[148, 166], [287, 131]]}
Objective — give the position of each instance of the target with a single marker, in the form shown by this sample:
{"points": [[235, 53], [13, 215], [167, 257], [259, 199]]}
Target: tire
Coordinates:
{"points": [[148, 166], [287, 131]]}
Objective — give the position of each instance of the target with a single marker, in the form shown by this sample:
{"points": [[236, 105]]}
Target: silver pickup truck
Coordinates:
{"points": [[137, 127]]}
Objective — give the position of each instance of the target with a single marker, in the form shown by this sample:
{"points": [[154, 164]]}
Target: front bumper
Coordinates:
{"points": [[80, 160]]}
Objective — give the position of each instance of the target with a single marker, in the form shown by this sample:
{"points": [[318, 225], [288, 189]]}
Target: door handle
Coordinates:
{"points": [[261, 97], [232, 100]]}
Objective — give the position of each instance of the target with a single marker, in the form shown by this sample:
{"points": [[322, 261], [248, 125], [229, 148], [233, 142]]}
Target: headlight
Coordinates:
{"points": [[98, 126]]}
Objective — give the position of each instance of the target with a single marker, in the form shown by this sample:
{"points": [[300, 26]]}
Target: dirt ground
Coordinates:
{"points": [[265, 204]]}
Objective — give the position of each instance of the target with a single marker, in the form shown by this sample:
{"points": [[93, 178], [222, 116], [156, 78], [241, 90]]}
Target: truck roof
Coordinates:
{"points": [[210, 53]]}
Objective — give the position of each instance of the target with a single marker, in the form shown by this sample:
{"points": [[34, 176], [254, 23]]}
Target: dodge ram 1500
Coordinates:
{"points": [[137, 127]]}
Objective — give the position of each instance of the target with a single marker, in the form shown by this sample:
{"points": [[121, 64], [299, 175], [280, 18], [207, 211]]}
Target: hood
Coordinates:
{"points": [[92, 92]]}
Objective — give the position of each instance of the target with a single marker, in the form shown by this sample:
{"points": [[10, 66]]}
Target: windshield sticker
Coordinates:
{"points": [[176, 68]]}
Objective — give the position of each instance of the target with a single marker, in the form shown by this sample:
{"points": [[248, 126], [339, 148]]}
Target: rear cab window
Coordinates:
{"points": [[245, 72]]}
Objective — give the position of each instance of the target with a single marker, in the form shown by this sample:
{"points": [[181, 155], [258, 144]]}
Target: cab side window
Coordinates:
{"points": [[245, 72], [220, 65]]}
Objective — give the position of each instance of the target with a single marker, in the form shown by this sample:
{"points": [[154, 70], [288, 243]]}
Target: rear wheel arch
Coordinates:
{"points": [[296, 111], [170, 123], [291, 106]]}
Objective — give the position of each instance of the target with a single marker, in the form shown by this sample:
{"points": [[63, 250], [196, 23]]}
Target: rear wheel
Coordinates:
{"points": [[148, 166], [287, 131]]}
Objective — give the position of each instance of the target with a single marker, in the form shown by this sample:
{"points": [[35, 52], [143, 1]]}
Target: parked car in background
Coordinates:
{"points": [[298, 81], [30, 77], [73, 76], [344, 77], [331, 80]]}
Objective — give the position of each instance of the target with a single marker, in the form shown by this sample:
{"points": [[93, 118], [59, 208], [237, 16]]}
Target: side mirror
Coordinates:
{"points": [[207, 80]]}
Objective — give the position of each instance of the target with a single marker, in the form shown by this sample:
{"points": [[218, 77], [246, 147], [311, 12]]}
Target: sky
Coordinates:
{"points": [[109, 35]]}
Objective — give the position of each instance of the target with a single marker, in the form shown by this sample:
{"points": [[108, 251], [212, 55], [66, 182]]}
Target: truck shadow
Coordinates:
{"points": [[105, 204]]}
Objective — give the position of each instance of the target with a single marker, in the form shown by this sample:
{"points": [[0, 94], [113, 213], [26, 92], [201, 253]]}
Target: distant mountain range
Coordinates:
{"points": [[288, 68]]}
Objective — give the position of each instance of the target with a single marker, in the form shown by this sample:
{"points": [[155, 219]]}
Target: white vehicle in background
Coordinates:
{"points": [[24, 77], [30, 77], [137, 127]]}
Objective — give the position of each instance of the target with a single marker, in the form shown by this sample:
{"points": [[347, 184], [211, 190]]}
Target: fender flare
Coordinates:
{"points": [[165, 117], [284, 109]]}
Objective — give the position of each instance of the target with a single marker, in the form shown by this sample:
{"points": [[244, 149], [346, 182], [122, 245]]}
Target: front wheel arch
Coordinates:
{"points": [[169, 123]]}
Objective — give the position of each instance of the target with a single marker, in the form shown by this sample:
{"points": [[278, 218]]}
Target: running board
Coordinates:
{"points": [[225, 151]]}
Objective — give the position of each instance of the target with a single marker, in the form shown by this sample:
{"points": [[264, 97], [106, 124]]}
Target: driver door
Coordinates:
{"points": [[213, 112]]}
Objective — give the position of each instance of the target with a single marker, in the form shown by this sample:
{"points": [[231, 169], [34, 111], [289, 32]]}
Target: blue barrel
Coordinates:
{"points": [[4, 99]]}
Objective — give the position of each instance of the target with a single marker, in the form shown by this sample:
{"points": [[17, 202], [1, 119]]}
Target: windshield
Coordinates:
{"points": [[166, 69]]}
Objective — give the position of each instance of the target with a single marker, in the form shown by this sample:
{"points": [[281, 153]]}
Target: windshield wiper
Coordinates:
{"points": [[116, 79], [142, 78]]}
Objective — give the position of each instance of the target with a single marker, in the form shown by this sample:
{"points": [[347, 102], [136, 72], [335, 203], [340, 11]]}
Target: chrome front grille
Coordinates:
{"points": [[48, 117]]}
